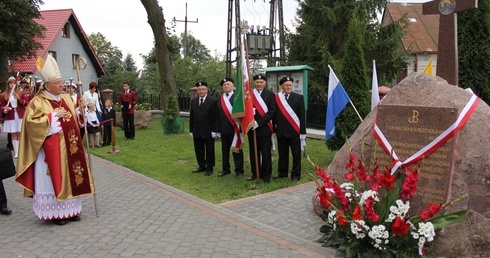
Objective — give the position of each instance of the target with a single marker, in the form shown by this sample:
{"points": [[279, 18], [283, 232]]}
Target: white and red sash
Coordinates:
{"points": [[287, 111], [261, 107], [432, 146], [237, 137]]}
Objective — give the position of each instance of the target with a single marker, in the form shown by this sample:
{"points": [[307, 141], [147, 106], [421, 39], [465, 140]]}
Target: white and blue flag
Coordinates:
{"points": [[337, 100]]}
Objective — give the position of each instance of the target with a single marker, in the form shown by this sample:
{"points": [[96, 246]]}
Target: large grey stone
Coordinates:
{"points": [[471, 171], [141, 119]]}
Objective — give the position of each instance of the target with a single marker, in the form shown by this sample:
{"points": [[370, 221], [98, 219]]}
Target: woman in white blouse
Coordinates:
{"points": [[91, 96]]}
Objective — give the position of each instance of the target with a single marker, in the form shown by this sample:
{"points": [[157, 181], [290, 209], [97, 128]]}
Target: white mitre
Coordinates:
{"points": [[48, 69]]}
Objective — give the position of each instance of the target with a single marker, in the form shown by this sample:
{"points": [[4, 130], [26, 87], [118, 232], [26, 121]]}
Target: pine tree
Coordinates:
{"points": [[474, 49]]}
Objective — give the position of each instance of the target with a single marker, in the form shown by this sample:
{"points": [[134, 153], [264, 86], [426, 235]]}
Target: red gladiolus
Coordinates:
{"points": [[341, 218], [388, 180], [425, 215], [369, 209], [325, 199], [361, 171], [409, 186], [434, 208], [349, 176], [400, 226], [356, 215]]}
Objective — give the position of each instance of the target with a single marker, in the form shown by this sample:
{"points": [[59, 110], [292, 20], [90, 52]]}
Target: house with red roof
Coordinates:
{"points": [[66, 41], [421, 36]]}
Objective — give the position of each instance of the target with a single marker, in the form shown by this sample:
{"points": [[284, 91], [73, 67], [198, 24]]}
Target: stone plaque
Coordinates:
{"points": [[409, 129]]}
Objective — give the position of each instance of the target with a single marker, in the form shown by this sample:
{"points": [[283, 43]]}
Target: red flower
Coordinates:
{"points": [[325, 199], [341, 218], [400, 226], [388, 180], [349, 176], [409, 186], [356, 215], [434, 208], [425, 215], [369, 209]]}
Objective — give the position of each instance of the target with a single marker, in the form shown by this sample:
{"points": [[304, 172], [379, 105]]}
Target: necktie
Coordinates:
{"points": [[286, 96], [227, 95], [202, 100]]}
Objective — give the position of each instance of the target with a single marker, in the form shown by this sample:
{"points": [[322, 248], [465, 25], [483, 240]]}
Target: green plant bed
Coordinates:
{"points": [[173, 126]]}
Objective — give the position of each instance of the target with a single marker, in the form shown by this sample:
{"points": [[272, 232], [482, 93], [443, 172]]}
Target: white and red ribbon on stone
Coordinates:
{"points": [[236, 145], [432, 146]]}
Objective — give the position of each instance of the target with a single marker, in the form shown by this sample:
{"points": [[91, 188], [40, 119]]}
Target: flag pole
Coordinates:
{"points": [[81, 64], [355, 109], [257, 171]]}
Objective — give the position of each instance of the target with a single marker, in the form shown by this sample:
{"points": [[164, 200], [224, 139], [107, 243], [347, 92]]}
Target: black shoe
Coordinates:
{"points": [[278, 177], [76, 218], [208, 172], [266, 181], [252, 178], [238, 176], [295, 179], [199, 169], [5, 211], [59, 222], [224, 173]]}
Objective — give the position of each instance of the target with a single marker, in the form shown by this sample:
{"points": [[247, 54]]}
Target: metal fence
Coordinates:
{"points": [[316, 115]]}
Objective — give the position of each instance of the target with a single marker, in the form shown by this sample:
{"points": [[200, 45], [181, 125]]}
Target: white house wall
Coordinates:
{"points": [[421, 61], [65, 48]]}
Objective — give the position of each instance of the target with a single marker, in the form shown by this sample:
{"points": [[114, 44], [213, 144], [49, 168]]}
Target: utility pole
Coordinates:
{"points": [[185, 21]]}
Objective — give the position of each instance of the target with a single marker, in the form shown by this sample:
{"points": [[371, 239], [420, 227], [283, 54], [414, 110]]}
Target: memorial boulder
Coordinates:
{"points": [[461, 166]]}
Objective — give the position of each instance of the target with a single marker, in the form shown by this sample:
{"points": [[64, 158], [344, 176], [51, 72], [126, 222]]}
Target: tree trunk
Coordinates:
{"points": [[3, 68], [157, 23]]}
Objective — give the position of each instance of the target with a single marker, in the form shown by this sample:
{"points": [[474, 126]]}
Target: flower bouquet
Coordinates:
{"points": [[368, 215]]}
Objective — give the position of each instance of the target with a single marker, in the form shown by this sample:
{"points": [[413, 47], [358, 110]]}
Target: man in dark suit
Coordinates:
{"points": [[128, 101], [229, 130], [261, 134], [290, 129], [202, 127]]}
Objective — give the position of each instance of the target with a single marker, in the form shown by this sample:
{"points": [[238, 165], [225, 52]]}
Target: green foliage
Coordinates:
{"points": [[172, 111], [474, 49], [117, 71], [170, 159], [18, 30], [142, 106], [355, 82]]}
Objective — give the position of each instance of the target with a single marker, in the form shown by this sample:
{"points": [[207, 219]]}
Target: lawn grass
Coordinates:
{"points": [[170, 160]]}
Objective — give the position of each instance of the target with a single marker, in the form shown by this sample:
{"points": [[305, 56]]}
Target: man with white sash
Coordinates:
{"points": [[290, 129], [265, 110], [229, 130]]}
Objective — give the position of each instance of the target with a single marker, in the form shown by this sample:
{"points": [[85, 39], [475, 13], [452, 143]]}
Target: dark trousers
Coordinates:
{"points": [[283, 145], [264, 155], [107, 135], [128, 124], [204, 147], [9, 141], [3, 196], [226, 141]]}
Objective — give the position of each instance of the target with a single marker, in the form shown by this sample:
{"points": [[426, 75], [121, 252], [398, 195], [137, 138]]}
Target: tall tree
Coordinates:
{"points": [[110, 56], [356, 83], [195, 49], [18, 31], [163, 57], [474, 49], [129, 64]]}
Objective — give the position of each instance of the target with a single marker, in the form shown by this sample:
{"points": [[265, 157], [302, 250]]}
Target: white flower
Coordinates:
{"points": [[369, 193], [358, 227], [427, 230]]}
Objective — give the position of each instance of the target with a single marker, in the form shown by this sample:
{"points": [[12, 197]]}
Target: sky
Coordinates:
{"points": [[124, 22]]}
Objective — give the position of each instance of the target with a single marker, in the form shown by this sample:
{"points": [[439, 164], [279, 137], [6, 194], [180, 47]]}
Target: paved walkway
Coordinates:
{"points": [[140, 217]]}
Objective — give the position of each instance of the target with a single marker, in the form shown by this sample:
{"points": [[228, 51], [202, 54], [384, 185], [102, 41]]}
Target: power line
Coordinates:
{"points": [[185, 30]]}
